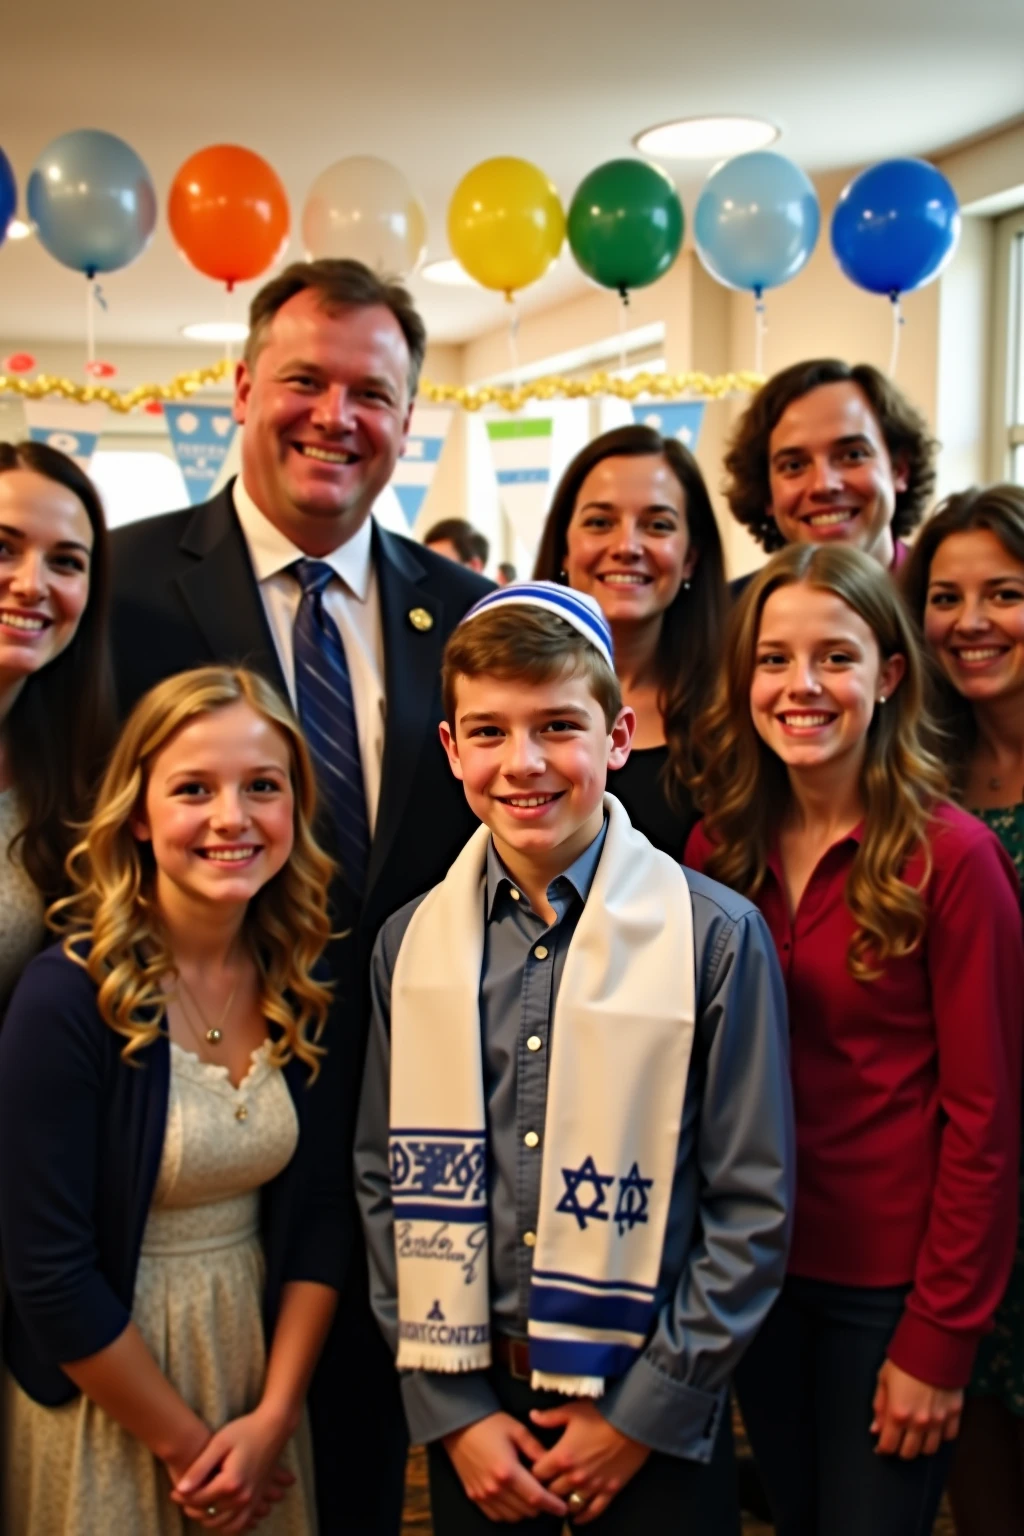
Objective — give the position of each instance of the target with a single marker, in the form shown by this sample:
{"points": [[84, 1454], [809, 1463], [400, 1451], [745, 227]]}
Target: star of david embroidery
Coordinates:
{"points": [[632, 1203], [570, 1205]]}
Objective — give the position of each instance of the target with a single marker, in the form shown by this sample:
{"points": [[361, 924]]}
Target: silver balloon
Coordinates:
{"points": [[364, 208]]}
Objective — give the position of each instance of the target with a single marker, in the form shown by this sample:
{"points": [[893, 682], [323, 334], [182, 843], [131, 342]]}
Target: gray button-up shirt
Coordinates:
{"points": [[729, 1218]]}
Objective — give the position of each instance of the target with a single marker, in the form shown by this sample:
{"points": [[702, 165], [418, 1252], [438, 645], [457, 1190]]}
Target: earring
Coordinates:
{"points": [[563, 576], [686, 585], [881, 698]]}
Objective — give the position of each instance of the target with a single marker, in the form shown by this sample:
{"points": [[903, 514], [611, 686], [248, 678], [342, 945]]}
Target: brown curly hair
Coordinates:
{"points": [[904, 429], [744, 790]]}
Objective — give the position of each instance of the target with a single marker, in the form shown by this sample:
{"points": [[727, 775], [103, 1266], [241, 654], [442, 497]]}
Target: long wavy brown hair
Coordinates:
{"points": [[1000, 510], [111, 924], [62, 724], [744, 788], [693, 626]]}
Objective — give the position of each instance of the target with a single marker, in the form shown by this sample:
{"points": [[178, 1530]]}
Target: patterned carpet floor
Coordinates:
{"points": [[417, 1506]]}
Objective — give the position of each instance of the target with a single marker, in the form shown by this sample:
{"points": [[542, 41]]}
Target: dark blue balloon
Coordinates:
{"points": [[8, 195], [895, 226], [92, 201]]}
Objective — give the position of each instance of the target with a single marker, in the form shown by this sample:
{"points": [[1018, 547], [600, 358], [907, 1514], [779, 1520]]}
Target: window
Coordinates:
{"points": [[1008, 423], [136, 484]]}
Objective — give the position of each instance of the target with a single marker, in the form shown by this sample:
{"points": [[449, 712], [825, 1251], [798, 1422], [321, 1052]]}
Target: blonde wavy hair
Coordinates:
{"points": [[743, 787], [110, 923]]}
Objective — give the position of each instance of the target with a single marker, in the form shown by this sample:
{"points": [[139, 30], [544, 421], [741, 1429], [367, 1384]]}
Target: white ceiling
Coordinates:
{"points": [[436, 87]]}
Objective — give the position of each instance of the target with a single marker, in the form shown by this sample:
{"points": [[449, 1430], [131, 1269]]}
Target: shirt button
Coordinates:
{"points": [[541, 952], [530, 1239], [531, 1138], [513, 893], [241, 1113], [534, 1043]]}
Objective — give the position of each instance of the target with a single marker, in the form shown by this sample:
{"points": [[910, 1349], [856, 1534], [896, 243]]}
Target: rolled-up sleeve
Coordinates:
{"points": [[436, 1403], [51, 1096], [673, 1397]]}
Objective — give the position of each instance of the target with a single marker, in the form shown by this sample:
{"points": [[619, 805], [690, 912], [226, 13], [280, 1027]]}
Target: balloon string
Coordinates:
{"points": [[897, 330], [90, 321], [760, 327], [623, 318], [228, 358], [513, 337]]}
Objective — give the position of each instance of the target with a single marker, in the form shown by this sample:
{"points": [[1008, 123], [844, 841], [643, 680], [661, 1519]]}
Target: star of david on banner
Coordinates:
{"points": [[673, 418]]}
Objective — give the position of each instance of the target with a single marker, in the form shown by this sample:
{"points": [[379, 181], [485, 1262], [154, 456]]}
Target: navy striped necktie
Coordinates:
{"points": [[323, 691]]}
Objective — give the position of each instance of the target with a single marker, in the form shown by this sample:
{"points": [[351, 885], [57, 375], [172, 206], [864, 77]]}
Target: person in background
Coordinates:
{"points": [[965, 584], [599, 1053], [826, 806], [458, 540], [287, 571], [56, 694], [829, 453], [631, 525], [506, 573], [167, 1185]]}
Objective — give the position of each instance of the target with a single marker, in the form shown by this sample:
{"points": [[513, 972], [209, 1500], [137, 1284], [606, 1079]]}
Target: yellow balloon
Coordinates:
{"points": [[506, 223]]}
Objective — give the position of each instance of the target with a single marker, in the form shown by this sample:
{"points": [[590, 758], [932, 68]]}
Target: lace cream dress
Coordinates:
{"points": [[72, 1471]]}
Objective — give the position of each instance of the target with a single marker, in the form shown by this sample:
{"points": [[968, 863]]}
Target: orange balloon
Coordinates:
{"points": [[228, 213]]}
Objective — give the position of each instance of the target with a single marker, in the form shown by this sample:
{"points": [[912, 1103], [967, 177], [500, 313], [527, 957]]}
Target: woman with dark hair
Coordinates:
{"points": [[56, 697], [896, 920], [830, 453], [631, 524], [965, 585]]}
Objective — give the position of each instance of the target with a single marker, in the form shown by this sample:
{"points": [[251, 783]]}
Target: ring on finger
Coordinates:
{"points": [[576, 1502]]}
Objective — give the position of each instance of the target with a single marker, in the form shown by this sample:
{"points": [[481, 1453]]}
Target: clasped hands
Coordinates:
{"points": [[236, 1478], [508, 1473]]}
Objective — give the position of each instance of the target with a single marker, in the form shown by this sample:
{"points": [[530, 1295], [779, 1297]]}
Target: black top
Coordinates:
{"points": [[640, 785]]}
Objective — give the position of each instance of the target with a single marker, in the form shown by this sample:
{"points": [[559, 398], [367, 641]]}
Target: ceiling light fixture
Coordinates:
{"points": [[706, 138], [449, 274], [216, 330], [17, 229]]}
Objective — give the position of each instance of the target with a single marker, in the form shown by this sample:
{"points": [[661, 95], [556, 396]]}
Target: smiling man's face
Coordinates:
{"points": [[325, 411]]}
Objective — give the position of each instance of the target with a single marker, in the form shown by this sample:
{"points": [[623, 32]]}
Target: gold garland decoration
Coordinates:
{"points": [[508, 397]]}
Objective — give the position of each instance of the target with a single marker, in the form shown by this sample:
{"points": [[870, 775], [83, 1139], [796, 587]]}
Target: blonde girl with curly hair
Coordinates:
{"points": [[171, 1218], [896, 920]]}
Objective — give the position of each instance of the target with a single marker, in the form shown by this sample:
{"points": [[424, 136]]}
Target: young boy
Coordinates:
{"points": [[575, 1153]]}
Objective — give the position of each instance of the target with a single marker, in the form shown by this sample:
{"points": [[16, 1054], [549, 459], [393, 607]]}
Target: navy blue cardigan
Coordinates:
{"points": [[81, 1136]]}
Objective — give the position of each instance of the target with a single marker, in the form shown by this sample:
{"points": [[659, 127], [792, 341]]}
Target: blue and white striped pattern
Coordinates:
{"points": [[576, 608], [587, 1327], [324, 693]]}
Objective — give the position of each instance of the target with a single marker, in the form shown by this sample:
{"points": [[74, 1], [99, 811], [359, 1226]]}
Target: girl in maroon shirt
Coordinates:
{"points": [[897, 924]]}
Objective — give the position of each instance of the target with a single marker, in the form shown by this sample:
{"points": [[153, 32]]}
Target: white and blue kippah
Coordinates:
{"points": [[576, 608]]}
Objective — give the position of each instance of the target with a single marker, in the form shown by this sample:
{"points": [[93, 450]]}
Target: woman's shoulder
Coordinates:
{"points": [[53, 979], [963, 848]]}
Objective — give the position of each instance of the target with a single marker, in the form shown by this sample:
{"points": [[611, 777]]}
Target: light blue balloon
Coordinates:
{"points": [[756, 222], [92, 201]]}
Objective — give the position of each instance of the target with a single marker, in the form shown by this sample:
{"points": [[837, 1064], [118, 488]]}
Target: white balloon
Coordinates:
{"points": [[364, 208]]}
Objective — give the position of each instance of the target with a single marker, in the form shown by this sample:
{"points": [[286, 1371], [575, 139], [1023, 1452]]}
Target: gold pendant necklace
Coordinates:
{"points": [[213, 1033]]}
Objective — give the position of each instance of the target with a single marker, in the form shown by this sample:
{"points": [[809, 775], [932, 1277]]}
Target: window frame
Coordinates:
{"points": [[1007, 414]]}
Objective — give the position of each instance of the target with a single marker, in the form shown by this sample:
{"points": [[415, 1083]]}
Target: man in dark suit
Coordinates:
{"points": [[324, 398]]}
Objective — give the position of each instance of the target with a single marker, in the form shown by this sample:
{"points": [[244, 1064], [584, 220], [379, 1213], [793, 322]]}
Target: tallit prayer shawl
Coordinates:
{"points": [[620, 1053]]}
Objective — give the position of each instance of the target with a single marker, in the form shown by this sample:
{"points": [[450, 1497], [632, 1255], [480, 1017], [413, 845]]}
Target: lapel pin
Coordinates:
{"points": [[420, 619]]}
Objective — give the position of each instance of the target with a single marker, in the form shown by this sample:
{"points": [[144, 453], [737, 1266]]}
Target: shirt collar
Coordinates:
{"points": [[849, 841], [580, 874], [272, 551]]}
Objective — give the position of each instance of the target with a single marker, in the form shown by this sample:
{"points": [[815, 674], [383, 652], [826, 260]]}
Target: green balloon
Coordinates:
{"points": [[626, 224]]}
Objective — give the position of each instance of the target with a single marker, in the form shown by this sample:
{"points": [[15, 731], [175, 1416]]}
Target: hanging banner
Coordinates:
{"points": [[200, 436], [673, 418], [415, 470], [72, 429], [521, 448]]}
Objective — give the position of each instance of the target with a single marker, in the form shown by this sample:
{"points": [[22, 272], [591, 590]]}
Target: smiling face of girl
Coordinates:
{"points": [[818, 678]]}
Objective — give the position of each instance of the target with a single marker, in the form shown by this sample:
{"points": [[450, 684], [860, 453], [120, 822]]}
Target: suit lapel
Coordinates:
{"points": [[222, 594], [412, 664]]}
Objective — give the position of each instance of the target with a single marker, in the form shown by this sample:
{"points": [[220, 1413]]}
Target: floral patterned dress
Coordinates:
{"points": [[999, 1368]]}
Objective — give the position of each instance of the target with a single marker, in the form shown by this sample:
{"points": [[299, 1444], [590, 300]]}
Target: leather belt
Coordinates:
{"points": [[514, 1355]]}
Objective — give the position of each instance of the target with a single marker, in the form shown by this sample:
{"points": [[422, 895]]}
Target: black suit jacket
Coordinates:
{"points": [[185, 595]]}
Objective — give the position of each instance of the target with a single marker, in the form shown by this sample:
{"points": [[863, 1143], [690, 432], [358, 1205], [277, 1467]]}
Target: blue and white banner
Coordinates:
{"points": [[200, 436], [521, 448], [72, 429], [673, 418], [415, 470]]}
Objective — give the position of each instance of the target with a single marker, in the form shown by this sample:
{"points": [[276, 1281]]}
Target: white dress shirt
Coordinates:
{"points": [[353, 602]]}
